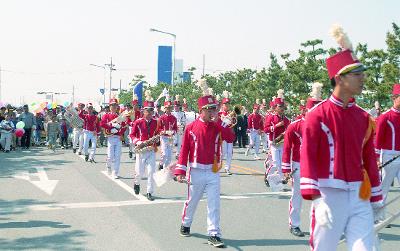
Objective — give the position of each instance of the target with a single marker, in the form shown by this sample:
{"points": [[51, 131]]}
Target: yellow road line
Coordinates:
{"points": [[248, 169]]}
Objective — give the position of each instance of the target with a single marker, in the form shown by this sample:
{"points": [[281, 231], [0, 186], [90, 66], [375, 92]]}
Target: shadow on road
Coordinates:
{"points": [[22, 161], [66, 240], [12, 207], [33, 223]]}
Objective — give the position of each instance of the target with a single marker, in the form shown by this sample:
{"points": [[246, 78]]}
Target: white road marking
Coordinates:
{"points": [[125, 187], [144, 201], [43, 183]]}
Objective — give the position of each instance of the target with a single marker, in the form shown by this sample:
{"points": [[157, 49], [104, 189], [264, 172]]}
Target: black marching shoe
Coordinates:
{"points": [[149, 197], [216, 241], [130, 155], [296, 232], [160, 166], [86, 158], [266, 181], [136, 188], [74, 150], [92, 161], [185, 231], [79, 153]]}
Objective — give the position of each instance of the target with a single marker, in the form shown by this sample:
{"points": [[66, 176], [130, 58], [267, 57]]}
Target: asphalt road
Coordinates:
{"points": [[57, 201]]}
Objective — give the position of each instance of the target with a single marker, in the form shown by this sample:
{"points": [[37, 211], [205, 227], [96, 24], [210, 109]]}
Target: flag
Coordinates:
{"points": [[138, 90]]}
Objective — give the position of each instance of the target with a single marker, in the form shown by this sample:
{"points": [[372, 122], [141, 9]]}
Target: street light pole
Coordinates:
{"points": [[174, 48]]}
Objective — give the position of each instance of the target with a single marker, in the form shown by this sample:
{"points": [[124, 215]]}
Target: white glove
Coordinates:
{"points": [[323, 214], [114, 131], [377, 209], [116, 125]]}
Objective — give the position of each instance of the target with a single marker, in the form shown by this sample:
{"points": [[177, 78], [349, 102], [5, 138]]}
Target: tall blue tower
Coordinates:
{"points": [[164, 64]]}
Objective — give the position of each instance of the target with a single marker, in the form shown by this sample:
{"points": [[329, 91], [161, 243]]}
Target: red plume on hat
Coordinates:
{"points": [[207, 100], [316, 94], [113, 101], [343, 61]]}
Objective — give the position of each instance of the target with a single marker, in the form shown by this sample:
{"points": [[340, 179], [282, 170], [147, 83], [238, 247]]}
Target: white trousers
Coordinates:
{"points": [[351, 216], [114, 146], [296, 199], [144, 160], [89, 136], [166, 150], [78, 139], [254, 141], [227, 152], [203, 180], [265, 140], [178, 142], [131, 145], [5, 140], [389, 172], [276, 154]]}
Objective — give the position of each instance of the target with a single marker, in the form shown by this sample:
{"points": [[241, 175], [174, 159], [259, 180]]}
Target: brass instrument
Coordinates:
{"points": [[148, 145], [229, 120], [72, 117], [118, 120]]}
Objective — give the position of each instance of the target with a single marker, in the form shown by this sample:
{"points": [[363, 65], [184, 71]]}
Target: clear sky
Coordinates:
{"points": [[47, 45]]}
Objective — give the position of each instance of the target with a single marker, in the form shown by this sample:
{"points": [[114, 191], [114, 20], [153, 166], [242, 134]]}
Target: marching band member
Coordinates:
{"points": [[91, 128], [167, 124], [228, 135], [114, 132], [134, 115], [143, 130], [291, 160], [276, 127], [181, 120], [201, 148], [185, 106], [388, 142], [78, 132], [338, 165], [264, 136], [254, 128]]}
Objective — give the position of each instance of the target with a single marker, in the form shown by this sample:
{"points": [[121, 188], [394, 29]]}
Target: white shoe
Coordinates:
{"points": [[256, 157], [228, 172], [115, 176], [246, 153], [108, 169]]}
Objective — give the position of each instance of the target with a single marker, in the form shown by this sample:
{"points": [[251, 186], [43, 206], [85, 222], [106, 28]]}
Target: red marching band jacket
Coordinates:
{"points": [[91, 123], [106, 124], [292, 144], [201, 146], [143, 130], [388, 132], [255, 122], [270, 126], [227, 133], [167, 122], [334, 151]]}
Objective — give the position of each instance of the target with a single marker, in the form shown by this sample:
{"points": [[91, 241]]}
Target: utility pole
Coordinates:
{"points": [[120, 87], [204, 64], [111, 66]]}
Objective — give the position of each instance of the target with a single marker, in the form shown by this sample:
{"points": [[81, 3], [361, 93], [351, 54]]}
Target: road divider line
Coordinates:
{"points": [[106, 204], [247, 169]]}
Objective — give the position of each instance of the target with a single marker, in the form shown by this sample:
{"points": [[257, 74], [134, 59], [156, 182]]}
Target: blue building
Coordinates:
{"points": [[164, 64]]}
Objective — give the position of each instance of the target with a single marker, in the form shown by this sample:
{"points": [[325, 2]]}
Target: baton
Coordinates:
{"points": [[389, 161]]}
